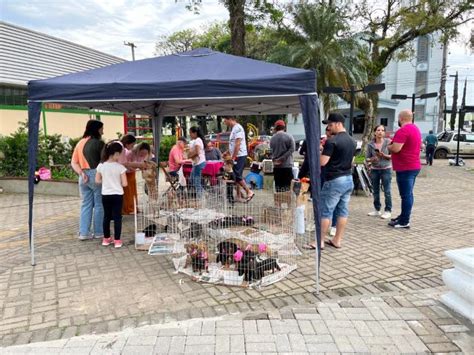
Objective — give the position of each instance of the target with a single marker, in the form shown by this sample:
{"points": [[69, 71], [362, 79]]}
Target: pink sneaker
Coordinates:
{"points": [[107, 241], [118, 243]]}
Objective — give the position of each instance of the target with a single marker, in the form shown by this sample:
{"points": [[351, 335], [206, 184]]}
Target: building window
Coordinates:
{"points": [[384, 121], [12, 95], [423, 48], [419, 112], [421, 82]]}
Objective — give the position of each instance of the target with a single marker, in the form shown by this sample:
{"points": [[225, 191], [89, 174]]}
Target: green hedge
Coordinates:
{"points": [[51, 151], [167, 143]]}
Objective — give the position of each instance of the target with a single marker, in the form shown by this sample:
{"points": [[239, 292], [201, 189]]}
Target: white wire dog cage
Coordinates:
{"points": [[212, 239]]}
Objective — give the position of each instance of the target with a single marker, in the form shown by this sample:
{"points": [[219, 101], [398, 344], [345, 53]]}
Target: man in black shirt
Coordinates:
{"points": [[336, 157]]}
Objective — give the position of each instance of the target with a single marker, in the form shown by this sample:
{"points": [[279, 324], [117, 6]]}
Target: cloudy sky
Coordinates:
{"points": [[105, 24]]}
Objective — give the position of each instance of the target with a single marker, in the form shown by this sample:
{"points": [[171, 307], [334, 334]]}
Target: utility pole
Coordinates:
{"points": [[133, 46], [442, 90], [454, 107], [462, 113]]}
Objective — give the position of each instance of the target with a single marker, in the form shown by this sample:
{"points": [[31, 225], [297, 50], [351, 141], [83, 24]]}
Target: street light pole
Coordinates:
{"points": [[352, 91], [351, 110], [413, 98]]}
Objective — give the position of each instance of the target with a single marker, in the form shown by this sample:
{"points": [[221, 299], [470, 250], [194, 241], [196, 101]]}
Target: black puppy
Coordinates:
{"points": [[226, 252], [246, 266], [265, 265], [150, 230]]}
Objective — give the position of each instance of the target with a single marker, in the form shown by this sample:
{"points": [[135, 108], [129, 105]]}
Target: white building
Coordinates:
{"points": [[421, 75]]}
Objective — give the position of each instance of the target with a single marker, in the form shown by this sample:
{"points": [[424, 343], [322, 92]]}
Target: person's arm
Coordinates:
{"points": [[324, 159], [327, 152], [219, 154], [395, 147], [98, 178], [236, 148], [77, 168], [123, 178]]}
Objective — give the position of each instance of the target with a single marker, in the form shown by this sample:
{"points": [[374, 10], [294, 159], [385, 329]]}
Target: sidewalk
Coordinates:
{"points": [[408, 324], [80, 288]]}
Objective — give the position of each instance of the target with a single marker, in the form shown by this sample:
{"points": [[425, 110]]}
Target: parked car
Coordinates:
{"points": [[447, 144]]}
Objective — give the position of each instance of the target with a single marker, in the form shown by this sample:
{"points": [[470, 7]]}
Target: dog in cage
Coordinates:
{"points": [[198, 257], [252, 266], [226, 251]]}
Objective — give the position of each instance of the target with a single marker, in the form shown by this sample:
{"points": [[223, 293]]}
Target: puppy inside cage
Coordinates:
{"points": [[213, 240]]}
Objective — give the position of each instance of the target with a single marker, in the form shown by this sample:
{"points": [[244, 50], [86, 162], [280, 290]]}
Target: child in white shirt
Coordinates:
{"points": [[112, 176]]}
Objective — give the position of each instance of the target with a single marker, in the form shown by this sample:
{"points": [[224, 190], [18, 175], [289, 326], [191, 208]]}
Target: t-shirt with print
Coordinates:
{"points": [[236, 133], [408, 158], [201, 158], [341, 149], [111, 179]]}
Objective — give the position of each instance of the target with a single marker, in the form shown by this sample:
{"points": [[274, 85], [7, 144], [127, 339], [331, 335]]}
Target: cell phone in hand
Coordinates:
{"points": [[377, 150]]}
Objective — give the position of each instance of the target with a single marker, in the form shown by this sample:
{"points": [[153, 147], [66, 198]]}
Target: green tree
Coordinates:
{"points": [[241, 14], [180, 41], [391, 26], [320, 40]]}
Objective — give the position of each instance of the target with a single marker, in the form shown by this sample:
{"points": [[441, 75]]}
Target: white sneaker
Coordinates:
{"points": [[332, 231], [386, 215], [374, 214]]}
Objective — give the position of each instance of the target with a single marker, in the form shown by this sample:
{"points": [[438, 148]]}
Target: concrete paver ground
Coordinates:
{"points": [[79, 288]]}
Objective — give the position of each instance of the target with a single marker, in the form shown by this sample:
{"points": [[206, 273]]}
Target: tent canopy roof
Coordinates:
{"points": [[198, 82]]}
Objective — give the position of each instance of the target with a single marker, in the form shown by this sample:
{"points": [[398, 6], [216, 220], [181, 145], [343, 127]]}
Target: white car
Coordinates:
{"points": [[448, 141]]}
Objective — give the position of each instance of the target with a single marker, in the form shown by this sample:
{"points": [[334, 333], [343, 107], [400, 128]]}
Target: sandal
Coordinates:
{"points": [[310, 247], [248, 199], [331, 244]]}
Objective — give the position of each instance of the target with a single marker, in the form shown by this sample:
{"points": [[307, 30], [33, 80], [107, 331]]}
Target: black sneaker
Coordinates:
{"points": [[394, 219], [397, 224]]}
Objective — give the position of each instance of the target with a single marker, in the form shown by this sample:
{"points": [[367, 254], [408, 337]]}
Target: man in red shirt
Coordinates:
{"points": [[405, 148]]}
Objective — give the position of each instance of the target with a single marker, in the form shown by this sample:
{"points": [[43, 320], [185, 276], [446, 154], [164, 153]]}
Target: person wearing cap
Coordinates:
{"points": [[336, 158], [283, 147], [238, 152], [176, 156]]}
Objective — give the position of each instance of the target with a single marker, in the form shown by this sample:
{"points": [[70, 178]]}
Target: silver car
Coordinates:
{"points": [[447, 144]]}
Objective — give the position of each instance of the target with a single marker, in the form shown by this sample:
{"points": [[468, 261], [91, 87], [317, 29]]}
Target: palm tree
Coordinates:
{"points": [[319, 41]]}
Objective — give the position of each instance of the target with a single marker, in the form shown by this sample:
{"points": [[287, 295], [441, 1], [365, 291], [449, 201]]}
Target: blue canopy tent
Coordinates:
{"points": [[199, 82]]}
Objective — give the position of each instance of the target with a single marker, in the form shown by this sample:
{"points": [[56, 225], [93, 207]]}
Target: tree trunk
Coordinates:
{"points": [[237, 26]]}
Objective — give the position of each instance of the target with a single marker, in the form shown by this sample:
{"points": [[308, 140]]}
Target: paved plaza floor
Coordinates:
{"points": [[378, 294]]}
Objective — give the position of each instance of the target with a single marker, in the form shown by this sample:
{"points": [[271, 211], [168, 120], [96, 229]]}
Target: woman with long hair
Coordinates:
{"points": [[197, 154], [85, 159], [380, 161]]}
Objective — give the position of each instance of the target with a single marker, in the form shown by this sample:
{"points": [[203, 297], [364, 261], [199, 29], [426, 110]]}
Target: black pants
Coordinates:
{"points": [[430, 149], [283, 177], [112, 211]]}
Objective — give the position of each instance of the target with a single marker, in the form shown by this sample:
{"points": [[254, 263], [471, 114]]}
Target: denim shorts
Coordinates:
{"points": [[335, 196], [239, 168]]}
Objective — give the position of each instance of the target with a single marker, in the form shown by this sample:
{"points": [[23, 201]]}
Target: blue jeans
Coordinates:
{"points": [[384, 175], [195, 178], [406, 183], [91, 204], [335, 196]]}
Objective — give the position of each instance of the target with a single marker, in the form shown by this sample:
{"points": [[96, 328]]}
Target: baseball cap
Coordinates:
{"points": [[334, 117], [280, 123]]}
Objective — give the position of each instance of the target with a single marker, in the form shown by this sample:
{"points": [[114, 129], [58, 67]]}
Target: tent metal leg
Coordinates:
{"points": [[32, 240]]}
